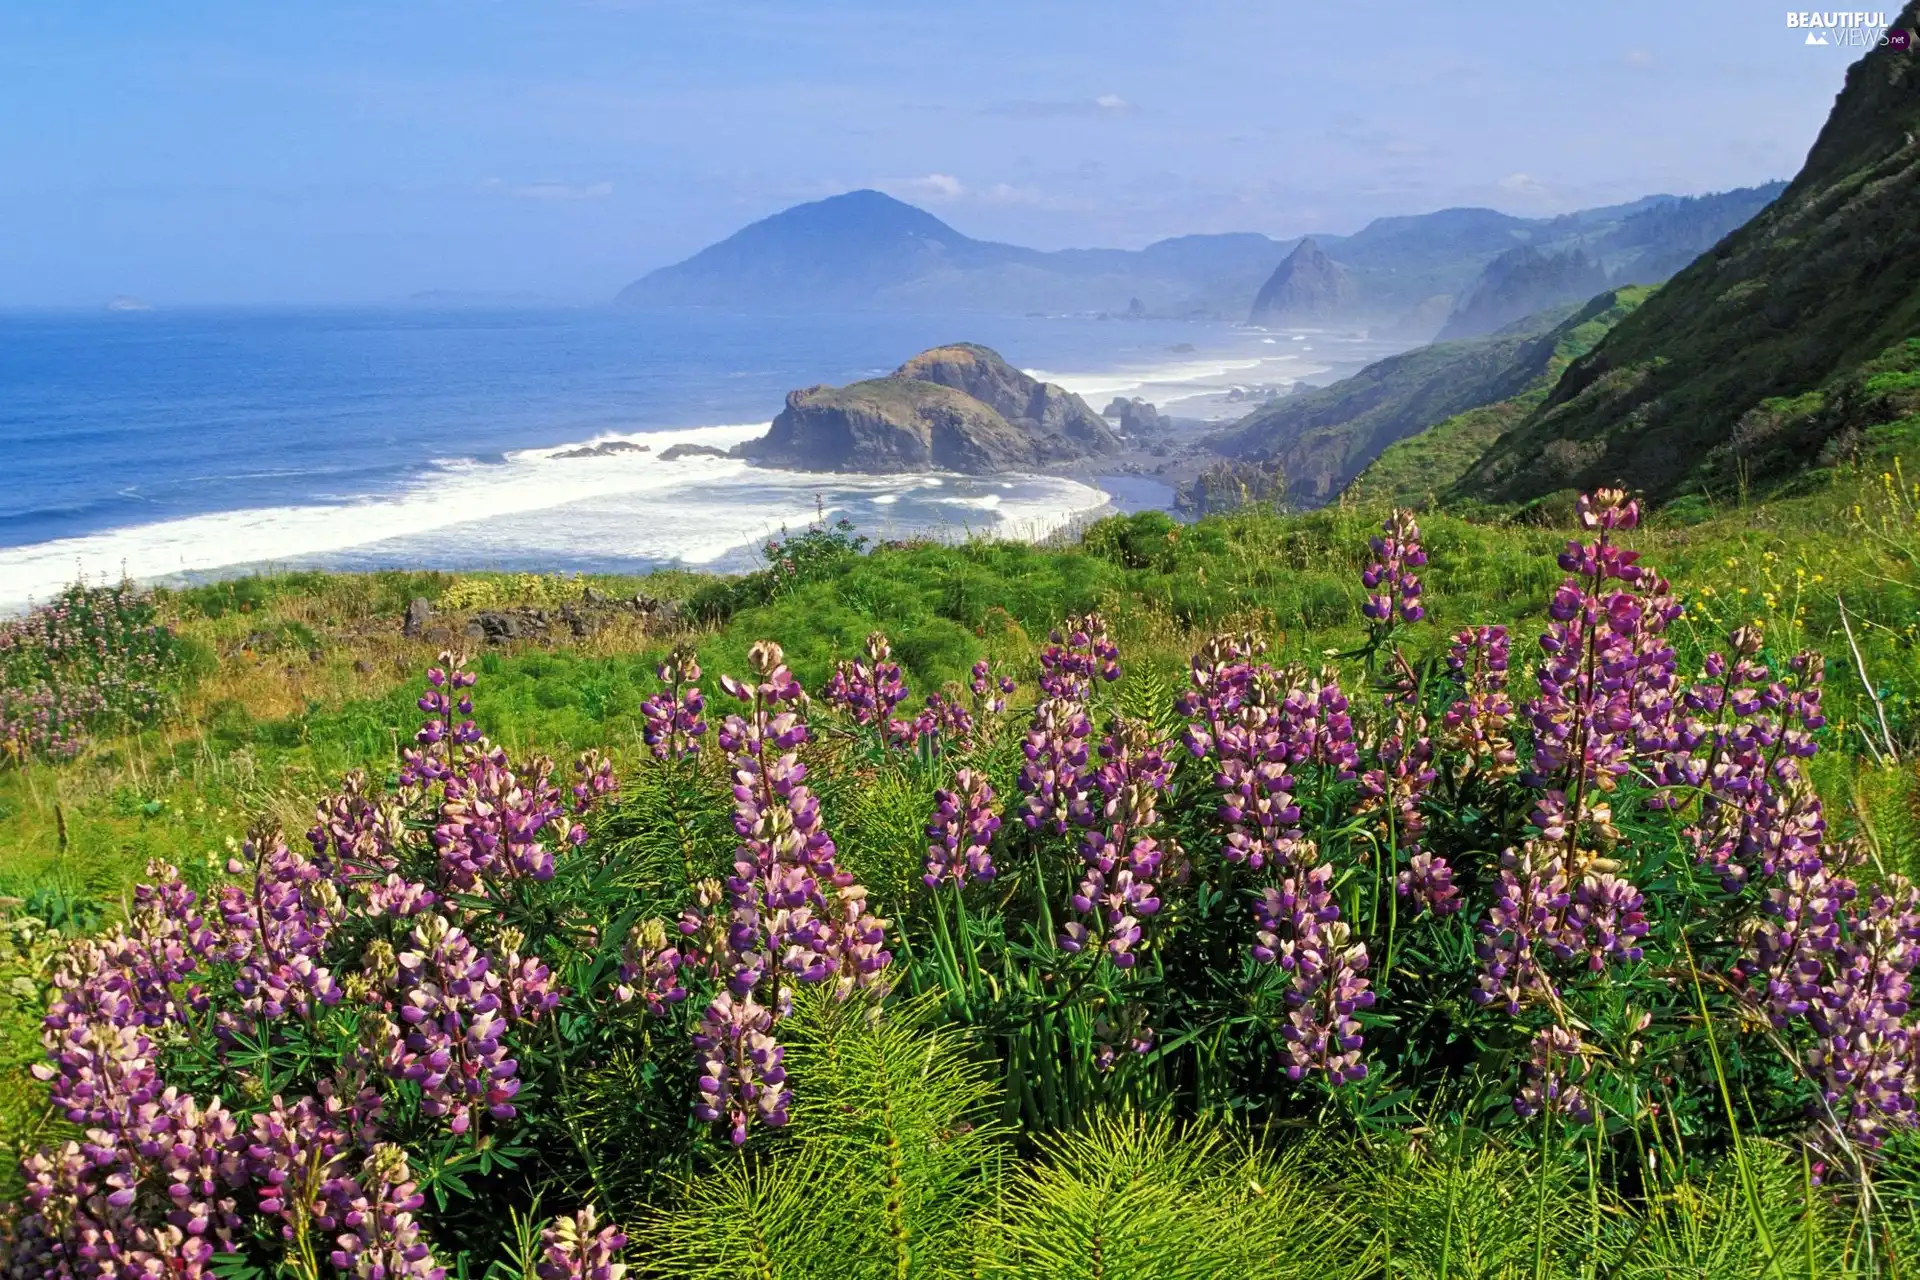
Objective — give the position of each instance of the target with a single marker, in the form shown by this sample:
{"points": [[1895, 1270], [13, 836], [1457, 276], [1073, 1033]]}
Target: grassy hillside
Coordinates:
{"points": [[1323, 439], [1413, 471], [1691, 395]]}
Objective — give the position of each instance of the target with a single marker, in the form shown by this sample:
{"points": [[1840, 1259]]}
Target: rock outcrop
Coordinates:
{"points": [[675, 452], [956, 408], [1138, 418], [605, 450], [1063, 425], [1308, 286]]}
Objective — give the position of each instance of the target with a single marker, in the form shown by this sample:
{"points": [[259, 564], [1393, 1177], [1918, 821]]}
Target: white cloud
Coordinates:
{"points": [[1111, 102], [932, 186], [1523, 184], [1639, 59], [944, 188]]}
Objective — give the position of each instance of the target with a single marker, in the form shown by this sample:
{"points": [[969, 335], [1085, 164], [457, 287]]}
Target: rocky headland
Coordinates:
{"points": [[953, 408]]}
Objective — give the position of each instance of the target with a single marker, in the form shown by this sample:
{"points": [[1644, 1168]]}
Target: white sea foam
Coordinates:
{"points": [[535, 510], [1156, 384]]}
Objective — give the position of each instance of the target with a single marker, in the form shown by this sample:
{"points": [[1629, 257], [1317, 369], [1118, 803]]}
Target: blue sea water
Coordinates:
{"points": [[192, 442]]}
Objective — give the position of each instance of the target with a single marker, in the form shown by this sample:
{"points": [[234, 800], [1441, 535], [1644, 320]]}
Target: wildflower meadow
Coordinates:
{"points": [[1452, 952]]}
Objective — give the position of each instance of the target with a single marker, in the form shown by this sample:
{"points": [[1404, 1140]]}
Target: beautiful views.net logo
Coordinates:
{"points": [[1849, 29]]}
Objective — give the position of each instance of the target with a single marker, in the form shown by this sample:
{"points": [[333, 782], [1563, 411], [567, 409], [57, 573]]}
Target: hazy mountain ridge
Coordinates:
{"points": [[867, 250], [1465, 272], [1521, 282]]}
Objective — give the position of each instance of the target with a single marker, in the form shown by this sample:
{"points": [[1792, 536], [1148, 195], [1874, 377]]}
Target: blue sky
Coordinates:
{"points": [[335, 152]]}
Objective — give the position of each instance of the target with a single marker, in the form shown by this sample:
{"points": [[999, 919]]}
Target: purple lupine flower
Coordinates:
{"points": [[1075, 655], [381, 1240], [990, 691], [277, 930], [1256, 784], [595, 780], [675, 726], [85, 1214], [741, 1079], [450, 1004], [430, 758], [91, 1209], [1555, 1063], [787, 905], [1316, 724], [1118, 1031], [357, 838], [1529, 910], [1428, 881], [579, 1248], [1606, 683], [1056, 759], [1054, 775], [1220, 674], [1392, 585], [856, 952], [1393, 789], [961, 832], [1121, 856], [1605, 922], [1299, 929], [867, 692], [1480, 723], [496, 822], [650, 969], [297, 1157], [1605, 659], [943, 723]]}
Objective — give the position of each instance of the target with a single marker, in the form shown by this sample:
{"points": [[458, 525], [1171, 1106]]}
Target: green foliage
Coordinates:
{"points": [[893, 1130], [793, 561], [1413, 471], [1133, 1198]]}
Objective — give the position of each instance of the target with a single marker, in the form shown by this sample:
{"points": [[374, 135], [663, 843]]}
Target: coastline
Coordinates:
{"points": [[632, 512]]}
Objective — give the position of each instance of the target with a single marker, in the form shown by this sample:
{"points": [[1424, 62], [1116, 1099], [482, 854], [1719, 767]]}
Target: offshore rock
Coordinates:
{"points": [[954, 408]]}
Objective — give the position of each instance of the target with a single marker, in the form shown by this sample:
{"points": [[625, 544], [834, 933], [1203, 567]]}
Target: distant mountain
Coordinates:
{"points": [[867, 250], [1655, 242], [953, 408], [1775, 351], [1521, 282], [1307, 288], [1465, 272]]}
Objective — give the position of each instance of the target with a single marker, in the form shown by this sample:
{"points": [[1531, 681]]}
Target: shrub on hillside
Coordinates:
{"points": [[95, 658]]}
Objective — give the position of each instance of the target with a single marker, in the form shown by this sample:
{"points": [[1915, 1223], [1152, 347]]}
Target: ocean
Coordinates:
{"points": [[179, 445]]}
